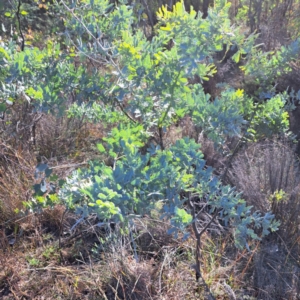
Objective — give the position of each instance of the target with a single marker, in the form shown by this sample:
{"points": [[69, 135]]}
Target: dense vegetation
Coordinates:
{"points": [[146, 143]]}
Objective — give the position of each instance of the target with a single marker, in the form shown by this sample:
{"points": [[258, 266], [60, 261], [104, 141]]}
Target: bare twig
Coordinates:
{"points": [[135, 284], [19, 25], [61, 227], [198, 235], [124, 112], [160, 274], [209, 223]]}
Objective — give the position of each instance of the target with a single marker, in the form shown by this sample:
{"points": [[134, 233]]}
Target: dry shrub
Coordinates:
{"points": [[172, 276], [64, 137], [167, 276], [48, 135], [184, 127], [291, 80], [276, 273], [277, 25], [268, 175], [54, 219], [152, 237], [212, 156], [161, 272], [16, 179], [129, 280], [17, 126]]}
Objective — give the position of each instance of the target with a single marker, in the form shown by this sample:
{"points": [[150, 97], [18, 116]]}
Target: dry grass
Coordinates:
{"points": [[71, 138], [276, 272], [29, 137], [268, 174], [48, 136], [16, 179], [35, 268], [22, 277]]}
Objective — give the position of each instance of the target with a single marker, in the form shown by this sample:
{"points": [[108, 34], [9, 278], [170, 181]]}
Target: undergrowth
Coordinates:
{"points": [[107, 77]]}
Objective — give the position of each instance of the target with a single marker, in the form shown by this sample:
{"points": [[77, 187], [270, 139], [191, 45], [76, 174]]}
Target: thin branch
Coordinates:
{"points": [[124, 112], [69, 166], [160, 274], [85, 27], [209, 223], [132, 291], [238, 146], [19, 25]]}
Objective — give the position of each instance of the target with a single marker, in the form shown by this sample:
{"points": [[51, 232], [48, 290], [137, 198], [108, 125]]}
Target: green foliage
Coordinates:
{"points": [[165, 72], [135, 184], [278, 196], [135, 136], [46, 78], [242, 14], [114, 74], [44, 190], [33, 262], [142, 80], [266, 67], [31, 15], [270, 117]]}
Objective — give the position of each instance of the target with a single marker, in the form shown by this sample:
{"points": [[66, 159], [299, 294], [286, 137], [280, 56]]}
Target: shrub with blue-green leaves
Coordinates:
{"points": [[113, 73], [136, 183], [107, 64]]}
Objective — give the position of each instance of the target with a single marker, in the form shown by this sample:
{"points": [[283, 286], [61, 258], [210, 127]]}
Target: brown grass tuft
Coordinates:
{"points": [[16, 179], [268, 174]]}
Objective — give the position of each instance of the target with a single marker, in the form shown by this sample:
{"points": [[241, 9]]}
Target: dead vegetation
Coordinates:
{"points": [[16, 179], [268, 174], [42, 258], [36, 268]]}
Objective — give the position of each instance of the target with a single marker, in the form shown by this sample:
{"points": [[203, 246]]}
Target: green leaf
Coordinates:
{"points": [[61, 182], [98, 179], [7, 14], [102, 196], [53, 177], [112, 154], [166, 28], [24, 13], [2, 107], [100, 148]]}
